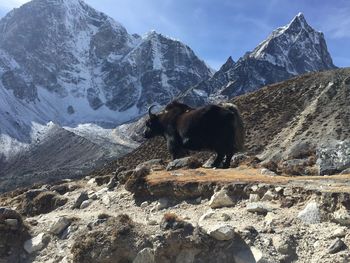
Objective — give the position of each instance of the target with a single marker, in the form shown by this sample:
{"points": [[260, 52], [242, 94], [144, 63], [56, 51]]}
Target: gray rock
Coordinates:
{"points": [[224, 232], [85, 204], [254, 198], [278, 189], [300, 150], [346, 171], [91, 181], [81, 198], [152, 222], [310, 214], [186, 162], [294, 167], [60, 225], [225, 217], [268, 196], [112, 183], [221, 199], [254, 188], [207, 215], [282, 244], [333, 157], [144, 204], [151, 163], [93, 196], [68, 231], [336, 246], [339, 232], [209, 162], [146, 255], [36, 243], [258, 207], [258, 255], [106, 200], [265, 171], [237, 159], [142, 171], [342, 217], [162, 203], [124, 175], [270, 219]]}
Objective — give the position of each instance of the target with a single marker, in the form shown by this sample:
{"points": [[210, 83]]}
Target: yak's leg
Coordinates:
{"points": [[218, 160], [174, 148], [228, 160]]}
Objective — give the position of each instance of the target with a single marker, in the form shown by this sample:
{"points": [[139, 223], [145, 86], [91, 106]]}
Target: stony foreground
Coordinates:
{"points": [[194, 215]]}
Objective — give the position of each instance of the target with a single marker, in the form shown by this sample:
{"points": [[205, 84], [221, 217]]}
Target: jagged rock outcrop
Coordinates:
{"points": [[289, 51]]}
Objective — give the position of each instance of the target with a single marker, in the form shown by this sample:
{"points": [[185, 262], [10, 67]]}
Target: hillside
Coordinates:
{"points": [[310, 108]]}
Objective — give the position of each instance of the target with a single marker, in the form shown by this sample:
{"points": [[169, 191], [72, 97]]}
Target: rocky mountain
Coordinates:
{"points": [[305, 112], [66, 62], [289, 51], [72, 64], [62, 61]]}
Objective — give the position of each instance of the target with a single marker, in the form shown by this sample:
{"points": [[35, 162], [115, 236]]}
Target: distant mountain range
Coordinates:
{"points": [[289, 51]]}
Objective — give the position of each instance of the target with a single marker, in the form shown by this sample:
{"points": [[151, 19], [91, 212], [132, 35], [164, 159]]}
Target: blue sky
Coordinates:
{"points": [[217, 29]]}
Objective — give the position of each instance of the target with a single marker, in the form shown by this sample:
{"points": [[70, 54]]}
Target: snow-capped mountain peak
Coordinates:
{"points": [[63, 61], [293, 49], [297, 47]]}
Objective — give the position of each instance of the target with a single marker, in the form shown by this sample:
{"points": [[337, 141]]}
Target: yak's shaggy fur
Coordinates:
{"points": [[217, 128]]}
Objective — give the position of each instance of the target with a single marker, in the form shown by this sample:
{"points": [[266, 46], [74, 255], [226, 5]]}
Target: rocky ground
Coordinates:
{"points": [[277, 202], [179, 213]]}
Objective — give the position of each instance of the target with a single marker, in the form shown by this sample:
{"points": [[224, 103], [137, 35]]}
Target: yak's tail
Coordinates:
{"points": [[239, 136]]}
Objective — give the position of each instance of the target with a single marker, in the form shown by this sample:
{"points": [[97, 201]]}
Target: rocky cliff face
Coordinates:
{"points": [[289, 51], [66, 62]]}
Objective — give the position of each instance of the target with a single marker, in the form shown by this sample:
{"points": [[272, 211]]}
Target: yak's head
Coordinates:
{"points": [[153, 125]]}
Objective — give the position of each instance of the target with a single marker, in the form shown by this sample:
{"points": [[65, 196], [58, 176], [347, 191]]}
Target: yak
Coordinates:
{"points": [[217, 128]]}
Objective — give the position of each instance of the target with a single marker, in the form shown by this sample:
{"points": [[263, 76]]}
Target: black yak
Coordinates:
{"points": [[217, 128]]}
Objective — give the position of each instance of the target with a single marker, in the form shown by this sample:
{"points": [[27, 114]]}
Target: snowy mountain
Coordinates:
{"points": [[289, 51], [61, 61]]}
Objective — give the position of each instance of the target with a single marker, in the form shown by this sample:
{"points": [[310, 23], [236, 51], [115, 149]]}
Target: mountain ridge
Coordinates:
{"points": [[288, 51]]}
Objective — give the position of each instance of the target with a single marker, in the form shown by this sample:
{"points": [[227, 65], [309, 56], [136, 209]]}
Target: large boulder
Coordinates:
{"points": [[36, 243], [311, 214], [333, 157], [221, 199]]}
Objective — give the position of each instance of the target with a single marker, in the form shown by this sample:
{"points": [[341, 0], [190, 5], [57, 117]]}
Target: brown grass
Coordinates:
{"points": [[242, 175]]}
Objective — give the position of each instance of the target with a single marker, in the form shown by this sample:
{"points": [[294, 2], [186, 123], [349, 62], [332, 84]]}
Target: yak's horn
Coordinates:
{"points": [[150, 111]]}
